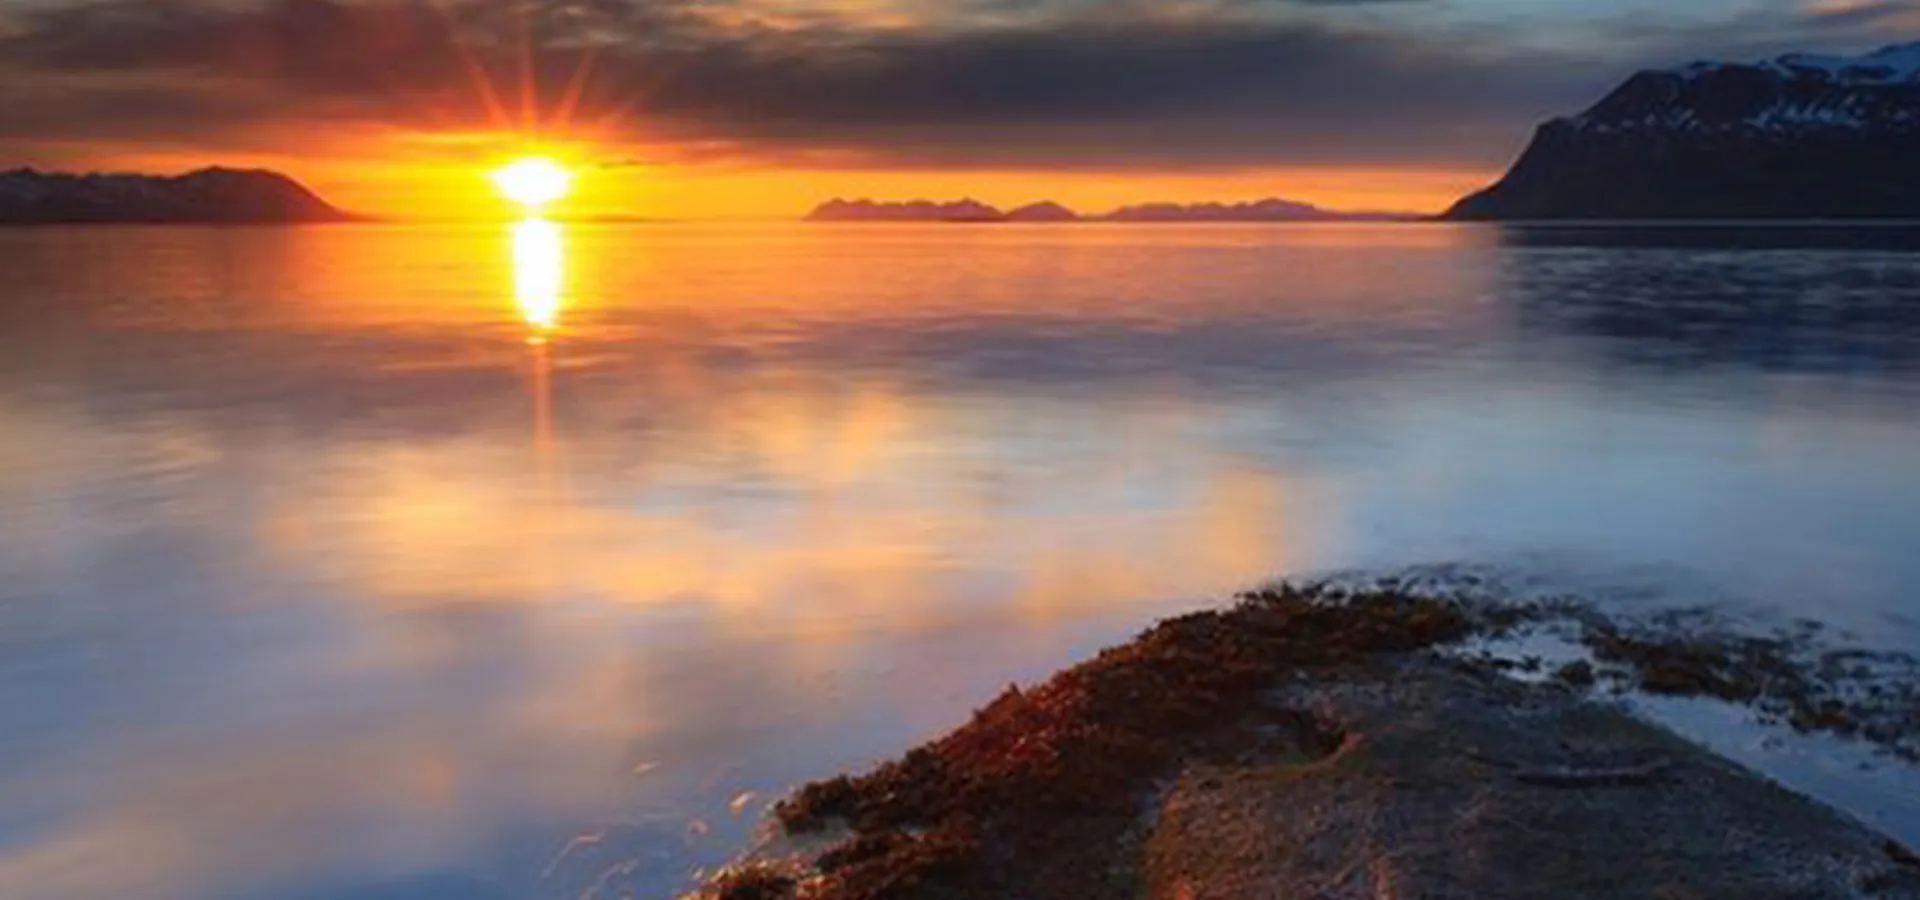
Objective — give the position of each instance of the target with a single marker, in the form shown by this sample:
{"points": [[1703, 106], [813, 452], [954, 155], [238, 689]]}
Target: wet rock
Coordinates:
{"points": [[1465, 787], [1786, 678], [1577, 674], [761, 881], [1323, 742]]}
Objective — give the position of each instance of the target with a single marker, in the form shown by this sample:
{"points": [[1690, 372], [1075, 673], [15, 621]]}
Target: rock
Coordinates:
{"points": [[1576, 674], [1328, 743], [1452, 785]]}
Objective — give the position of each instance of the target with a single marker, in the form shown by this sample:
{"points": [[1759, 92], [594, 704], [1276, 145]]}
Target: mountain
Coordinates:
{"points": [[1044, 211], [969, 210], [225, 196], [1800, 136], [1268, 210]]}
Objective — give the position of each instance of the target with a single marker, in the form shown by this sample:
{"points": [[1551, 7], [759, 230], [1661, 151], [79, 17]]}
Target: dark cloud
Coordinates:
{"points": [[1766, 32], [1114, 85], [1870, 16]]}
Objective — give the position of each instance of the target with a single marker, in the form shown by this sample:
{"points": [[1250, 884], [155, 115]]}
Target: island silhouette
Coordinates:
{"points": [[211, 195], [1047, 211]]}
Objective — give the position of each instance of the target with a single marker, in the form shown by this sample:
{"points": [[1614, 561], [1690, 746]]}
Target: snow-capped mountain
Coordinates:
{"points": [[1799, 136], [1897, 64], [208, 195]]}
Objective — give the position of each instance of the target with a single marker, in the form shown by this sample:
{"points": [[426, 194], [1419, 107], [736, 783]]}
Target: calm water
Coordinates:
{"points": [[475, 562]]}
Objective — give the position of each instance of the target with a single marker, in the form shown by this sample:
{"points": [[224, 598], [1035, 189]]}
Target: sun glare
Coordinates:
{"points": [[533, 182]]}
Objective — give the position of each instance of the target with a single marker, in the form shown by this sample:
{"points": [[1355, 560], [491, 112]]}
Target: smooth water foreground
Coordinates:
{"points": [[532, 562]]}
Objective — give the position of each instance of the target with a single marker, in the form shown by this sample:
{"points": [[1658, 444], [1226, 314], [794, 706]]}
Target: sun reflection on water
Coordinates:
{"points": [[539, 272], [539, 290]]}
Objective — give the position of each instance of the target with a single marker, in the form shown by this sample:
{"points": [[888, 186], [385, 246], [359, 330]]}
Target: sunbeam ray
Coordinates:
{"points": [[477, 75], [529, 79], [575, 89]]}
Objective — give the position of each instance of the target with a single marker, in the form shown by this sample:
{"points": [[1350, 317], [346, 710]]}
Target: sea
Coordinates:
{"points": [[535, 560]]}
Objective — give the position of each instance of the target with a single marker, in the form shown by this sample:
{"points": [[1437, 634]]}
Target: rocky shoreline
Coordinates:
{"points": [[1326, 742]]}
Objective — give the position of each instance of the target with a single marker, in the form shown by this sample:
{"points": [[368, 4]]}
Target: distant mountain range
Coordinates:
{"points": [[969, 210], [217, 196], [1270, 210], [1800, 136]]}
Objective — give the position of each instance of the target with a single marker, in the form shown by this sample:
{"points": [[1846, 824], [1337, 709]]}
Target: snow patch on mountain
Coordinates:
{"points": [[1896, 64], [1794, 93]]}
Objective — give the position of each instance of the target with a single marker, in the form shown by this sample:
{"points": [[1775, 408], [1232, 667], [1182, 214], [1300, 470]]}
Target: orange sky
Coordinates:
{"points": [[434, 187], [684, 192], [764, 108]]}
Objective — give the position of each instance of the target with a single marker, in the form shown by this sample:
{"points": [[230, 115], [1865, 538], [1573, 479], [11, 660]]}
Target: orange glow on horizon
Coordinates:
{"points": [[408, 178]]}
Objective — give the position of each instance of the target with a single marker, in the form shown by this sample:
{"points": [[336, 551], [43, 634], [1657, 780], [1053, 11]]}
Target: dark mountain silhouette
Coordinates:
{"points": [[1800, 136], [969, 210], [1044, 211], [1269, 210], [221, 196]]}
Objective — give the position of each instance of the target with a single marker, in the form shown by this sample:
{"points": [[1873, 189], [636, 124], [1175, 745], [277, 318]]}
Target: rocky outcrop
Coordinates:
{"points": [[1443, 784], [1800, 136], [1324, 743], [223, 196]]}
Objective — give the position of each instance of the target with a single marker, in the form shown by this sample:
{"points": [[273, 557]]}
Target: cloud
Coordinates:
{"points": [[1130, 84], [1866, 13], [1822, 26]]}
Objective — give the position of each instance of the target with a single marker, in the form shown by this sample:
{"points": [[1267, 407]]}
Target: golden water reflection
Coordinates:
{"points": [[812, 498], [316, 574], [539, 271]]}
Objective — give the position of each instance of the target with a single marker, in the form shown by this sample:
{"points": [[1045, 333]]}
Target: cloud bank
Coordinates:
{"points": [[1085, 84]]}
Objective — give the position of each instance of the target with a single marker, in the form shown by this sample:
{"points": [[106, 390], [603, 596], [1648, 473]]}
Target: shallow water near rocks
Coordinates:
{"points": [[422, 562], [1872, 784]]}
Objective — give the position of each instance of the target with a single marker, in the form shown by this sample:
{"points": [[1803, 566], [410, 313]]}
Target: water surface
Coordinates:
{"points": [[530, 562]]}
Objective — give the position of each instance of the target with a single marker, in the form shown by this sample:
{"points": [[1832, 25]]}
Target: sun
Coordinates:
{"points": [[533, 182]]}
